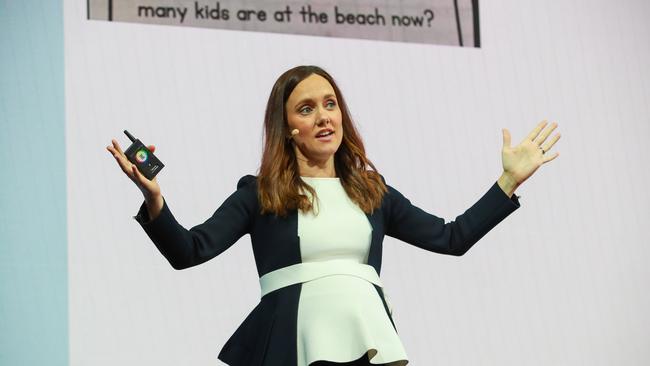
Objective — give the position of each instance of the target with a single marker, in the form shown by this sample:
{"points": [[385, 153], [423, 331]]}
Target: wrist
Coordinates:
{"points": [[152, 198], [507, 183], [154, 206]]}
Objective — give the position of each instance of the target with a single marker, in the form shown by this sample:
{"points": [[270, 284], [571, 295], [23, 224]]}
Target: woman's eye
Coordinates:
{"points": [[305, 109]]}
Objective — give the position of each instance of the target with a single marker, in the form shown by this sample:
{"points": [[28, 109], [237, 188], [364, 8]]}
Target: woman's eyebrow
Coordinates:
{"points": [[310, 99]]}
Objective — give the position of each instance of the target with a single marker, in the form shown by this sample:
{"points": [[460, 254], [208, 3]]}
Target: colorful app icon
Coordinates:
{"points": [[141, 156]]}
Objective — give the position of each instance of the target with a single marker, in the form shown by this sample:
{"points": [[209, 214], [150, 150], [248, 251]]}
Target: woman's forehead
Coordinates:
{"points": [[314, 87]]}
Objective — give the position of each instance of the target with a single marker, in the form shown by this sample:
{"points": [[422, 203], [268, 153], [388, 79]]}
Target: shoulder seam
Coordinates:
{"points": [[246, 180]]}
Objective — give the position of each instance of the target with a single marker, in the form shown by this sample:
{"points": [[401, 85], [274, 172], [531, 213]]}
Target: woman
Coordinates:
{"points": [[317, 216]]}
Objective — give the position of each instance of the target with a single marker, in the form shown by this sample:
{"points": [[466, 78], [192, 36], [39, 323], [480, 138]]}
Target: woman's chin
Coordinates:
{"points": [[321, 156]]}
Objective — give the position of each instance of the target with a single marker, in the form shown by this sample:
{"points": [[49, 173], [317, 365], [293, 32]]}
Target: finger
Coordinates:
{"points": [[122, 161], [115, 154], [533, 134], [113, 151], [144, 181], [550, 144], [506, 137], [551, 158], [137, 175], [546, 133], [117, 147]]}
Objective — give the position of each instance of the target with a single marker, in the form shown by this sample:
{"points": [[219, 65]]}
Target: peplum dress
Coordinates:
{"points": [[341, 317], [321, 296]]}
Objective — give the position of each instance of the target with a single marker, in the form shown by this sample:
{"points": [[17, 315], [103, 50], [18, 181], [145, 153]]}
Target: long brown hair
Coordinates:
{"points": [[279, 183]]}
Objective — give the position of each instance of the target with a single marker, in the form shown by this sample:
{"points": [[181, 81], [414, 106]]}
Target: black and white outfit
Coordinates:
{"points": [[322, 298]]}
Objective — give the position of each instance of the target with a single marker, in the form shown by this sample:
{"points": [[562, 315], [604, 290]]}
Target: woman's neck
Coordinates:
{"points": [[316, 169]]}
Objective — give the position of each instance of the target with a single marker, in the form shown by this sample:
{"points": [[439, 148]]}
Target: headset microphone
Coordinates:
{"points": [[294, 132]]}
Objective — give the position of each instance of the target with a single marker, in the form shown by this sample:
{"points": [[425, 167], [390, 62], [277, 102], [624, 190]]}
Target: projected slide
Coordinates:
{"points": [[444, 22]]}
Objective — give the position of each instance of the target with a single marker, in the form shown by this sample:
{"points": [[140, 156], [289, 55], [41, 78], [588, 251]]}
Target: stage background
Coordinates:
{"points": [[562, 281]]}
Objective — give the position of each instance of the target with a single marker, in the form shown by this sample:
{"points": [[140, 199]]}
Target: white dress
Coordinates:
{"points": [[340, 317]]}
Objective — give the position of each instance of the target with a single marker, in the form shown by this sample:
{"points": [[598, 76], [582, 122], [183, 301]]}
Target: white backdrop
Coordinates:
{"points": [[562, 281]]}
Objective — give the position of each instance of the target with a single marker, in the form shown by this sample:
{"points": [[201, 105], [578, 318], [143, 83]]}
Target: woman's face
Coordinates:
{"points": [[313, 108]]}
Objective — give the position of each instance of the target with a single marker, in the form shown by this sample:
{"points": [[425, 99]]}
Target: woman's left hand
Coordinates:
{"points": [[521, 161]]}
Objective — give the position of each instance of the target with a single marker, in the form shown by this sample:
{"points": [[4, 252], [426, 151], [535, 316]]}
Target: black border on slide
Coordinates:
{"points": [[477, 25], [459, 30], [110, 10]]}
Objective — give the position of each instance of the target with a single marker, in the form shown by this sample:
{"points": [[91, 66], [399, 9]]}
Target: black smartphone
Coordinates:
{"points": [[146, 162]]}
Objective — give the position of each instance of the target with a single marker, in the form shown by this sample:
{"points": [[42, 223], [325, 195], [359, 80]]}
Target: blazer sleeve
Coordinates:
{"points": [[424, 230], [186, 248]]}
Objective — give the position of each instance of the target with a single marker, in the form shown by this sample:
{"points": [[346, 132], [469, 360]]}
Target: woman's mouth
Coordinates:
{"points": [[325, 136]]}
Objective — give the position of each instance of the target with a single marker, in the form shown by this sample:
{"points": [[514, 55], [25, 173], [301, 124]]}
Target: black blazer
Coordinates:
{"points": [[268, 334]]}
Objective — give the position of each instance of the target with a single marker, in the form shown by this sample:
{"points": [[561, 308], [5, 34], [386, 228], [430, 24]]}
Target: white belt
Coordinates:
{"points": [[309, 271]]}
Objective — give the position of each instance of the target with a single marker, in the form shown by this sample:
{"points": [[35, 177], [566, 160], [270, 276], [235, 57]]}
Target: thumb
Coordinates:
{"points": [[506, 137]]}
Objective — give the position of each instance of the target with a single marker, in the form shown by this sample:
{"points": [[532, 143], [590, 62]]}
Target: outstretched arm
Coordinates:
{"points": [[415, 226], [424, 230], [186, 248]]}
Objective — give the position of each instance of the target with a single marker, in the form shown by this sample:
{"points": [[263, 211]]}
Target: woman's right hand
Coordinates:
{"points": [[149, 188]]}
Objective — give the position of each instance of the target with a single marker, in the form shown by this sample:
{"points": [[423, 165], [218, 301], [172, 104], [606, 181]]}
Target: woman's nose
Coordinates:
{"points": [[323, 118]]}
